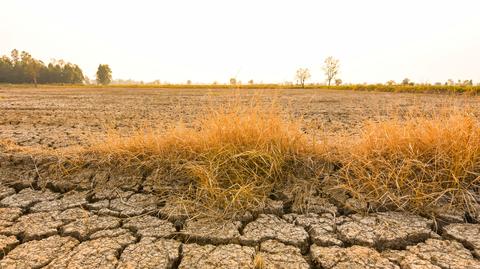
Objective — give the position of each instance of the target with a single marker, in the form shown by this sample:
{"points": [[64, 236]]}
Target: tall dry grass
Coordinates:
{"points": [[422, 163], [231, 161]]}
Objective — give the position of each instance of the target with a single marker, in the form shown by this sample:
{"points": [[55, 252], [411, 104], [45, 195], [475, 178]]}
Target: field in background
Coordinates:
{"points": [[61, 116], [414, 88]]}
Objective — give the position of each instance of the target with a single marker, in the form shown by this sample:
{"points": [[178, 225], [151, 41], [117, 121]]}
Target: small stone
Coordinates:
{"points": [[465, 233], [276, 255], [163, 253], [211, 232], [34, 226], [38, 253], [135, 205], [27, 197], [213, 257], [352, 257], [387, 230], [7, 243], [149, 226], [272, 227], [82, 228], [69, 200]]}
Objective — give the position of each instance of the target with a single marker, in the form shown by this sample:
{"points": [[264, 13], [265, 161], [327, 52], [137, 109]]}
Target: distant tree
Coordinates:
{"points": [[31, 67], [233, 81], [406, 81], [302, 75], [189, 82], [391, 82], [250, 82], [450, 82], [338, 82], [104, 74], [331, 69], [468, 82]]}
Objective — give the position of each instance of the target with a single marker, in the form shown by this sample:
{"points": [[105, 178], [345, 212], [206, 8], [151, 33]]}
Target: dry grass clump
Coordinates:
{"points": [[421, 163], [231, 161]]}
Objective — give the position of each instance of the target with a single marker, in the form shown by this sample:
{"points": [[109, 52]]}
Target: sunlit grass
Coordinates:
{"points": [[230, 162], [422, 163], [235, 157]]}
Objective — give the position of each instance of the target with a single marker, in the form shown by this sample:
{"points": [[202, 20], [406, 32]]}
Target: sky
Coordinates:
{"points": [[263, 40]]}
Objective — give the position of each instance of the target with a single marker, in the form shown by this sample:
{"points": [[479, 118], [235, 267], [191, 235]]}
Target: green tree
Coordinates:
{"points": [[31, 68], [104, 74], [23, 68], [406, 81]]}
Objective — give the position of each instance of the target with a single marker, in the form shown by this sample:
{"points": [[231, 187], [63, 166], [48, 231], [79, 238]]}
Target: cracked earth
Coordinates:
{"points": [[61, 227]]}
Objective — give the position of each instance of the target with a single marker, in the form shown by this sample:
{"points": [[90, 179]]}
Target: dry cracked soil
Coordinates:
{"points": [[125, 228], [73, 225]]}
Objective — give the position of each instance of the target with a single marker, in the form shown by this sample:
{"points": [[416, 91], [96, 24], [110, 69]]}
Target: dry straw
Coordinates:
{"points": [[234, 158]]}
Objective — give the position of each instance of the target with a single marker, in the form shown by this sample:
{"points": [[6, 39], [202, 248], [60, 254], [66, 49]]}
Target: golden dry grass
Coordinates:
{"points": [[234, 158], [231, 161], [422, 163]]}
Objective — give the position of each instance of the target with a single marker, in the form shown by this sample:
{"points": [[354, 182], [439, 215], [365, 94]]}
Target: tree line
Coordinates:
{"points": [[21, 67]]}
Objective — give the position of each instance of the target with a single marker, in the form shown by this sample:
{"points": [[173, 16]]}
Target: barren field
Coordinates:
{"points": [[247, 190], [60, 117]]}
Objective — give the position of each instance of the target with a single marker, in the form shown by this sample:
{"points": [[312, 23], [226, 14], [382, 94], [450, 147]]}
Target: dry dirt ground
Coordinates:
{"points": [[73, 226], [62, 117]]}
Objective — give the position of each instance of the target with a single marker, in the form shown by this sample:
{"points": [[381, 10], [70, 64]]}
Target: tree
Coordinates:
{"points": [[31, 67], [338, 82], [331, 68], [391, 82], [406, 81], [104, 74], [23, 68], [250, 82], [233, 81], [302, 75]]}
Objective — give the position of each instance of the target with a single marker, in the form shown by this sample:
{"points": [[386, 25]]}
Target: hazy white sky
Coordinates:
{"points": [[427, 40]]}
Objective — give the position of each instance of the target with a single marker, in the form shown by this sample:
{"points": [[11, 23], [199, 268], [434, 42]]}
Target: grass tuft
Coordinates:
{"points": [[230, 161], [422, 163], [233, 159]]}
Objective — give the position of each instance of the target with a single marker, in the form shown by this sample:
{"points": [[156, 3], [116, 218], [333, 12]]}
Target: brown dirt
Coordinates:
{"points": [[60, 117]]}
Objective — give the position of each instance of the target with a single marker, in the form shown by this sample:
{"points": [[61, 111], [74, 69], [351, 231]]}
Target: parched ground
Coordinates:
{"points": [[75, 225], [130, 228], [61, 117]]}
